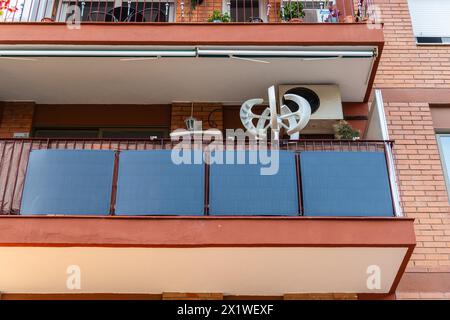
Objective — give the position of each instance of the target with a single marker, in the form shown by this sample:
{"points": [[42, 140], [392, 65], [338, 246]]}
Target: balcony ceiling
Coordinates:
{"points": [[120, 80]]}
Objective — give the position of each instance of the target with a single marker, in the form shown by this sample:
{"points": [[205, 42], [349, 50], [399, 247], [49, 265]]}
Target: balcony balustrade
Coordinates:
{"points": [[179, 11], [145, 177]]}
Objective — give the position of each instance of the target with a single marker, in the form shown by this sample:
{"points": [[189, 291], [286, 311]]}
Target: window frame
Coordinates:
{"points": [[100, 130], [444, 161], [421, 39], [262, 9]]}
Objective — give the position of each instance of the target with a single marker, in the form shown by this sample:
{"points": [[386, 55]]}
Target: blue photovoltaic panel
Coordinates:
{"points": [[240, 189], [76, 182], [151, 184], [345, 184]]}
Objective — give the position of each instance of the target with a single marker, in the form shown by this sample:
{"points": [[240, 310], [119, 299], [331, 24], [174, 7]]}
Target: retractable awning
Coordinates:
{"points": [[61, 74]]}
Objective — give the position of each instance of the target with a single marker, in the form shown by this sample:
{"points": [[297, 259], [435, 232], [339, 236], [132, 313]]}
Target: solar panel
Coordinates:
{"points": [[72, 182], [345, 184], [240, 189], [149, 183]]}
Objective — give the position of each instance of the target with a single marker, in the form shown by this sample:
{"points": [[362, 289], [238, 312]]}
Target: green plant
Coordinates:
{"points": [[292, 10], [195, 3], [219, 16], [343, 131], [6, 7]]}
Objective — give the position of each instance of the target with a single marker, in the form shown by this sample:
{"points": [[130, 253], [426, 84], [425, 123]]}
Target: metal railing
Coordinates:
{"points": [[14, 155], [198, 11]]}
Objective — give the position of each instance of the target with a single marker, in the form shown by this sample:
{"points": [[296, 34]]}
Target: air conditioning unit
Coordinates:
{"points": [[325, 102], [316, 15], [312, 16]]}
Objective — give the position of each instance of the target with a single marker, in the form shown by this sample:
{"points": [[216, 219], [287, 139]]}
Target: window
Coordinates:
{"points": [[258, 10], [39, 133], [244, 10], [444, 150], [133, 133], [430, 20], [110, 133]]}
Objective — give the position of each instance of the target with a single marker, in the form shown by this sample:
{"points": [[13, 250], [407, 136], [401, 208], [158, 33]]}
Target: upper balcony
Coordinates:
{"points": [[189, 11], [177, 22], [120, 37]]}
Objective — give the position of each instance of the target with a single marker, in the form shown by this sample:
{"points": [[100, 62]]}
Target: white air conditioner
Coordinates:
{"points": [[325, 101], [312, 16], [316, 15]]}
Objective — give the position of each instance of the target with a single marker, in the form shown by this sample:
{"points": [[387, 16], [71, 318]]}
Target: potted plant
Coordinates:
{"points": [[194, 3], [343, 131], [292, 12], [218, 17], [5, 6], [333, 17], [361, 14]]}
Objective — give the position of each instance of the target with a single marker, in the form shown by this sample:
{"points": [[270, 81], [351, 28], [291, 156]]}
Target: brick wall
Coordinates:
{"points": [[422, 184], [201, 13], [15, 117], [403, 63], [408, 67], [211, 115]]}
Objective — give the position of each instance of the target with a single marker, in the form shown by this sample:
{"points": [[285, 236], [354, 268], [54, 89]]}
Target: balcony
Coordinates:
{"points": [[42, 24], [327, 214], [122, 210], [189, 11], [349, 52], [114, 177]]}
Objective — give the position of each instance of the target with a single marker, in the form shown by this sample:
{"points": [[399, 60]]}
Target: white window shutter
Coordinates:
{"points": [[430, 18]]}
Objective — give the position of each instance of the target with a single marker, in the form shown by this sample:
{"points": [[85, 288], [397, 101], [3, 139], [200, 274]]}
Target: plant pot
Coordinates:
{"points": [[255, 20], [217, 21], [47, 20], [296, 20]]}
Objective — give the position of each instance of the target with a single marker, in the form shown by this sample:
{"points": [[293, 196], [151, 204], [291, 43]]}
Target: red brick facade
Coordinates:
{"points": [[210, 114], [15, 117], [405, 69], [411, 67], [403, 63]]}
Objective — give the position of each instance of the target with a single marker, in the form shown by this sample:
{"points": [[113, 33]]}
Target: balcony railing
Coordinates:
{"points": [[139, 177], [198, 11]]}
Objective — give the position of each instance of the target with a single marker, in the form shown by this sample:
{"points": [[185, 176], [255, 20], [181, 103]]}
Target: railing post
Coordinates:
{"points": [[299, 184], [386, 157], [8, 172], [206, 179], [27, 158], [16, 177], [393, 179], [112, 206]]}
